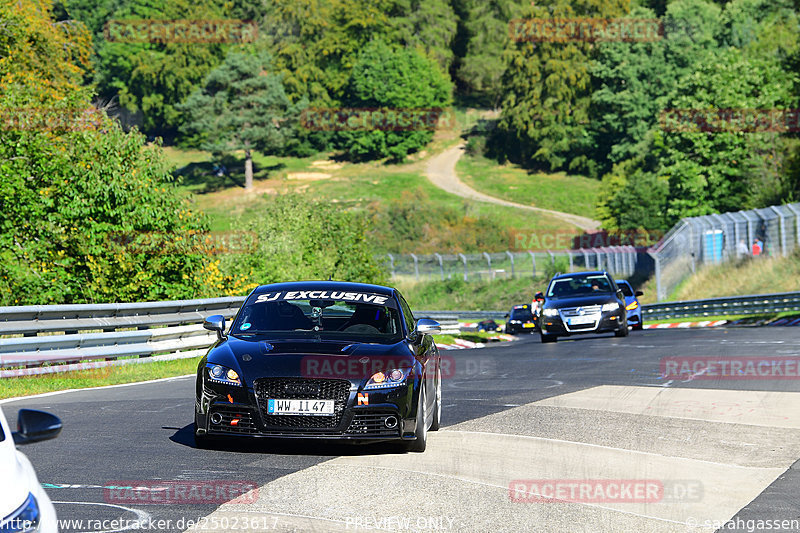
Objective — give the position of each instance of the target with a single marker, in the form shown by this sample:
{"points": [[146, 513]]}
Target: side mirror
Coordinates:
{"points": [[425, 325], [639, 293], [539, 296], [35, 426], [216, 323]]}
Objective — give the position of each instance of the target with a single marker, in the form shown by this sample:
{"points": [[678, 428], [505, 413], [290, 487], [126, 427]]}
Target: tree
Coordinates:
{"points": [[395, 80], [481, 68], [149, 79], [241, 106], [427, 26], [547, 88]]}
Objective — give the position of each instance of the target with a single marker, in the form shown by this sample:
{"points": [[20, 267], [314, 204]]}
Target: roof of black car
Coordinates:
{"points": [[322, 285], [580, 274]]}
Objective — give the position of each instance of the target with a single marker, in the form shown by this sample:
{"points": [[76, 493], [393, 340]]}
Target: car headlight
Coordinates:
{"points": [[633, 305], [550, 312], [391, 378], [221, 374], [24, 520], [611, 306], [514, 322]]}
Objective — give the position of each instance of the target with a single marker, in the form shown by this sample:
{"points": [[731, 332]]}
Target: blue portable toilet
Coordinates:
{"points": [[713, 245]]}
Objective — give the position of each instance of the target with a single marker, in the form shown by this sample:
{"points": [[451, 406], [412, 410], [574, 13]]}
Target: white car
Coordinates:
{"points": [[24, 506]]}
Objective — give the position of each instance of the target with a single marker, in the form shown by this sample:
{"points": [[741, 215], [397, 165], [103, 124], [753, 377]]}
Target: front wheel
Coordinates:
{"points": [[622, 332], [437, 410], [421, 433], [548, 338]]}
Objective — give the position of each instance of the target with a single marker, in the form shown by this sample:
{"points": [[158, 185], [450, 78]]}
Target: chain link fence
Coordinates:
{"points": [[693, 242], [622, 261], [713, 239]]}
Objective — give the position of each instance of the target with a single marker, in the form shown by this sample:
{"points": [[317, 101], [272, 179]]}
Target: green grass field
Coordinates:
{"points": [[559, 192]]}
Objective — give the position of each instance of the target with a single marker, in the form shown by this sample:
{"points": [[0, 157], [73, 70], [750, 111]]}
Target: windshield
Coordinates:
{"points": [[337, 316], [579, 286], [625, 288], [521, 314]]}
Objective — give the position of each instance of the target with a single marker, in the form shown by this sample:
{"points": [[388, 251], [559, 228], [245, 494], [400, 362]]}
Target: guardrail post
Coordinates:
{"points": [[552, 258], [511, 258], [569, 254], [441, 264], [464, 260], [416, 266], [489, 262], [533, 262], [391, 265]]}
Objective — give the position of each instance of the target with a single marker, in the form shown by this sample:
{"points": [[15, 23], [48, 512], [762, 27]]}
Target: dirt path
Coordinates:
{"points": [[441, 170]]}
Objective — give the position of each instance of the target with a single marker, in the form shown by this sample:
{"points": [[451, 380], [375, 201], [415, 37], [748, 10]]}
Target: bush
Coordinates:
{"points": [[72, 204], [303, 239]]}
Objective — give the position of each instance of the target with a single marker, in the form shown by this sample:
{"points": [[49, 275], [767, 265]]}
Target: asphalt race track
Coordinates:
{"points": [[591, 409]]}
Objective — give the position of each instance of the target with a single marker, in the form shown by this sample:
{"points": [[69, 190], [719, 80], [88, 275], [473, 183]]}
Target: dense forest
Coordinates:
{"points": [[593, 104]]}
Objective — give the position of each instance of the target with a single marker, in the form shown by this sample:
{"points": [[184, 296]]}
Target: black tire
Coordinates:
{"points": [[548, 338], [638, 327], [622, 332], [437, 410], [421, 433]]}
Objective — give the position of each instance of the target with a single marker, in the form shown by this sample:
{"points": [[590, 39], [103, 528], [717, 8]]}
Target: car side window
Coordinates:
{"points": [[407, 315]]}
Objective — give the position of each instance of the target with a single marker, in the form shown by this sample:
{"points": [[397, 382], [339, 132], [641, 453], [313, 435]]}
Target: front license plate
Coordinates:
{"points": [[528, 325], [299, 407], [581, 320]]}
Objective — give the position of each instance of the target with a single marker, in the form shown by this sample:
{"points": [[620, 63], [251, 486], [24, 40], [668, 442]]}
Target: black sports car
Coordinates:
{"points": [[585, 302], [321, 360], [520, 320]]}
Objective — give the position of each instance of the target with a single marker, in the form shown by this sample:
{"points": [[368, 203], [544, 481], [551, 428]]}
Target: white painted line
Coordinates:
{"points": [[55, 393]]}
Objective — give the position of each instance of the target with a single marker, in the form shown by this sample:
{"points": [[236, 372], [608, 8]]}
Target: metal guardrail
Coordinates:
{"points": [[729, 305], [57, 338], [137, 332]]}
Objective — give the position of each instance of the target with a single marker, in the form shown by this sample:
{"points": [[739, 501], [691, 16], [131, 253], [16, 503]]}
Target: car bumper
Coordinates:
{"points": [[375, 415], [606, 322]]}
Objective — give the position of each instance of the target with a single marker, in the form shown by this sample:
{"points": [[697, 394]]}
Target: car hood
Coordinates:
{"points": [[580, 301], [16, 473], [303, 358]]}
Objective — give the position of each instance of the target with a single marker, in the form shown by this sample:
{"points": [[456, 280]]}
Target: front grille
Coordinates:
{"points": [[244, 423], [302, 389], [371, 424], [576, 311]]}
